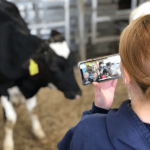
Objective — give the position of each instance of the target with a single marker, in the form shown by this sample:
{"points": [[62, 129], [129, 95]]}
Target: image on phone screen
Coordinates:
{"points": [[101, 69]]}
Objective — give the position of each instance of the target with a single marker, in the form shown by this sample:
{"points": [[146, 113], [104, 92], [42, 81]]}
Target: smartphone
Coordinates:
{"points": [[100, 69]]}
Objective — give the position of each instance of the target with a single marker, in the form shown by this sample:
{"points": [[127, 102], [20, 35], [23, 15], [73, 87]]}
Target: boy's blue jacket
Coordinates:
{"points": [[119, 129]]}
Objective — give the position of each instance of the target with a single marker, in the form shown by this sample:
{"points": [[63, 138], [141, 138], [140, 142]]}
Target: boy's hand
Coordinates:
{"points": [[104, 93]]}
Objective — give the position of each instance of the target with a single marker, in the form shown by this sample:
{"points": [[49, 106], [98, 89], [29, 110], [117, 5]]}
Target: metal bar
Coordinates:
{"points": [[26, 13], [141, 1], [47, 25], [107, 39], [133, 4], [94, 18], [81, 30], [111, 18], [123, 12], [37, 20], [35, 6], [45, 10], [52, 0], [67, 20], [35, 1]]}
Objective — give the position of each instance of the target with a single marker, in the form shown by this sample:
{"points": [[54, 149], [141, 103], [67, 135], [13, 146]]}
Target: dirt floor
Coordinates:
{"points": [[56, 113]]}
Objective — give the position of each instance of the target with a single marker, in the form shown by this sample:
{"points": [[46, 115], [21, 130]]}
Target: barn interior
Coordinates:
{"points": [[92, 29]]}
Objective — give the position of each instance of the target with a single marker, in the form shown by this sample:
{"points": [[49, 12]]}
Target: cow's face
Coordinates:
{"points": [[61, 66], [63, 78], [56, 63]]}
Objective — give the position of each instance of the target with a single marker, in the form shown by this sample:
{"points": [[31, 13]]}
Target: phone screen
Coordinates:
{"points": [[98, 70]]}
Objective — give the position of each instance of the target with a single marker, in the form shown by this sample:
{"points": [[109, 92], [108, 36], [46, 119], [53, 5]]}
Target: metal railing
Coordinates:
{"points": [[119, 15], [40, 26]]}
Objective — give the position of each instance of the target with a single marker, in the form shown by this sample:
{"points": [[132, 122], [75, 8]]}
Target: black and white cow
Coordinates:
{"points": [[28, 63]]}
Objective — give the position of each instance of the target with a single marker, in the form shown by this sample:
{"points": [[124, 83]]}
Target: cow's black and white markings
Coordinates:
{"points": [[28, 63], [61, 49]]}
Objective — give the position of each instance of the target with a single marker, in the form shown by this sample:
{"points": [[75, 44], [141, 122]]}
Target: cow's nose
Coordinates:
{"points": [[78, 96]]}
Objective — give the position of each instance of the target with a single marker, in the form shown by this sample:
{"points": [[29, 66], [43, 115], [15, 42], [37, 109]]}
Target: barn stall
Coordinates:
{"points": [[90, 34]]}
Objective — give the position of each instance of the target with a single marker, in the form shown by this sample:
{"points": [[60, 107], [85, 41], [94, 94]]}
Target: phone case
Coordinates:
{"points": [[97, 70]]}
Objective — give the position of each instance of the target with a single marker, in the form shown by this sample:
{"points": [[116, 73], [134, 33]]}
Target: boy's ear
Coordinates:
{"points": [[126, 78], [125, 75]]}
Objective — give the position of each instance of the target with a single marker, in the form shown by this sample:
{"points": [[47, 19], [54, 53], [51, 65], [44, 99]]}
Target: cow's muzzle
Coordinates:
{"points": [[72, 95]]}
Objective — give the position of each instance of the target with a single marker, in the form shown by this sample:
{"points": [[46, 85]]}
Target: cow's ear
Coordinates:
{"points": [[56, 36], [54, 33]]}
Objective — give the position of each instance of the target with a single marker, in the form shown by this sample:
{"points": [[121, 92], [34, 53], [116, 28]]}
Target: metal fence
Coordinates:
{"points": [[37, 14]]}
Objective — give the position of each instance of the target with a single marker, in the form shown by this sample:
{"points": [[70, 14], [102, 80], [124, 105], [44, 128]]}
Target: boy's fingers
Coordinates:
{"points": [[114, 82], [96, 84], [106, 83]]}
